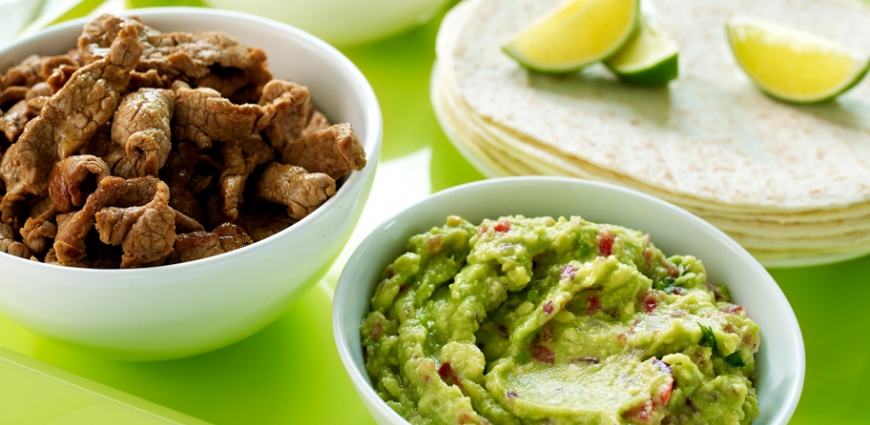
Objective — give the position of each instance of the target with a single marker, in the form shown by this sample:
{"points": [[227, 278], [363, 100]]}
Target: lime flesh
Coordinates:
{"points": [[793, 66], [576, 34], [649, 57]]}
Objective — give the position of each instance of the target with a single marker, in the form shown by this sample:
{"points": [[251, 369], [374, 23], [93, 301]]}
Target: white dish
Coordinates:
{"points": [[342, 22], [186, 309], [781, 361]]}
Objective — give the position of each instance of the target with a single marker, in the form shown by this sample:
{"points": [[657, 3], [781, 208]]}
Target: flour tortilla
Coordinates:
{"points": [[785, 181], [710, 136]]}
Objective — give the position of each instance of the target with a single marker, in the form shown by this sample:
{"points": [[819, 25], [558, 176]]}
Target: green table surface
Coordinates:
{"points": [[290, 372]]}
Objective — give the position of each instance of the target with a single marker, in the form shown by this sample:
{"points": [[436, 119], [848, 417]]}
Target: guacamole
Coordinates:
{"points": [[556, 321]]}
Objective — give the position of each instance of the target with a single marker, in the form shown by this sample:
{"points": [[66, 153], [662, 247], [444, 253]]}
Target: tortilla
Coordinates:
{"points": [[786, 181]]}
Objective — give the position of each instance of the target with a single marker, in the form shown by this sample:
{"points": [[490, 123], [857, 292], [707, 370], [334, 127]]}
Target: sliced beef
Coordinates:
{"points": [[240, 160], [39, 227], [175, 55], [263, 219], [187, 224], [197, 245], [288, 126], [9, 245], [148, 79], [69, 118], [180, 175], [293, 186], [133, 213], [145, 232], [14, 120], [69, 243], [27, 73], [202, 116], [333, 151], [60, 76], [74, 179], [142, 127], [11, 95]]}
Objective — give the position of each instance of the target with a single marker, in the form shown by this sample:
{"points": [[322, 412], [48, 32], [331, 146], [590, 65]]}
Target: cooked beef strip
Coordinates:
{"points": [[262, 219], [290, 185], [240, 160], [74, 179], [148, 79], [27, 73], [39, 90], [39, 228], [60, 76], [142, 126], [203, 116], [180, 54], [12, 122], [197, 245], [11, 95], [69, 243], [232, 83], [69, 118], [317, 122], [187, 224], [9, 245], [288, 126], [334, 151], [134, 213], [179, 173]]}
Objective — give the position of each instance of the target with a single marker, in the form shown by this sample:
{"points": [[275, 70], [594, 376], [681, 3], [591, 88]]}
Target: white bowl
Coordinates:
{"points": [[185, 309], [780, 361], [341, 22]]}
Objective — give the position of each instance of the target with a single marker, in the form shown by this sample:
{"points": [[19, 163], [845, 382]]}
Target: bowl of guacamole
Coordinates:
{"points": [[539, 300]]}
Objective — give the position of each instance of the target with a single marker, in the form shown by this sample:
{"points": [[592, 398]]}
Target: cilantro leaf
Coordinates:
{"points": [[708, 337], [735, 359]]}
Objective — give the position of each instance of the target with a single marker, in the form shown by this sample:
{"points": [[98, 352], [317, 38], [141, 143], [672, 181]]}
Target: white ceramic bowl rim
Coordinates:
{"points": [[362, 381], [374, 132]]}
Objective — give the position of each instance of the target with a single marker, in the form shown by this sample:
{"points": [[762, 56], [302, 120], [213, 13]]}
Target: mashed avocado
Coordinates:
{"points": [[544, 321]]}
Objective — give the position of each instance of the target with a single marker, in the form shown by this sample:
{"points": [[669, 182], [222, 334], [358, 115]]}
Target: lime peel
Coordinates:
{"points": [[574, 35], [791, 65]]}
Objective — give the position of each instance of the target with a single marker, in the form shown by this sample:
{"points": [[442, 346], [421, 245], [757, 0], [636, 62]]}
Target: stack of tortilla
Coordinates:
{"points": [[790, 183]]}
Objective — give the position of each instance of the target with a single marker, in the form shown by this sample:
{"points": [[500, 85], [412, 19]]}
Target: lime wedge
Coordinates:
{"points": [[576, 34], [650, 57], [793, 66]]}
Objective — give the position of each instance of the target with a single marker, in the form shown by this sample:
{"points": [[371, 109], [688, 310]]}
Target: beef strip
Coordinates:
{"points": [[141, 126], [290, 185], [334, 151], [263, 219], [9, 245], [233, 84], [14, 120], [185, 223], [197, 245], [29, 103], [240, 160], [69, 118], [69, 243], [179, 174], [202, 115], [11, 95], [145, 232], [177, 54], [288, 126], [148, 79], [133, 213], [60, 76], [39, 226], [74, 179], [27, 73]]}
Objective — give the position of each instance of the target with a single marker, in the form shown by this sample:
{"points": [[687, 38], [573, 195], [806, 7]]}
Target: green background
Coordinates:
{"points": [[290, 372]]}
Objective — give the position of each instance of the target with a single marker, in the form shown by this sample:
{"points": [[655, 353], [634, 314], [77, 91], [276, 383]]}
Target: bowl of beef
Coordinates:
{"points": [[172, 180]]}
